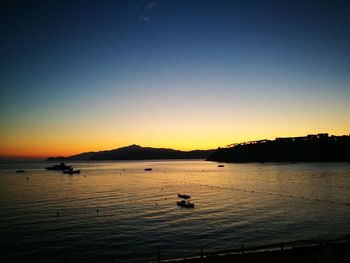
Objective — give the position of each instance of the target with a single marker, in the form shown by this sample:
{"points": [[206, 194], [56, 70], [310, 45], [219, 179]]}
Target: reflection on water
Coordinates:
{"points": [[52, 215]]}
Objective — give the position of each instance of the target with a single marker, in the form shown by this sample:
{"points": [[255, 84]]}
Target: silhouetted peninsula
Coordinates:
{"points": [[310, 148], [136, 152]]}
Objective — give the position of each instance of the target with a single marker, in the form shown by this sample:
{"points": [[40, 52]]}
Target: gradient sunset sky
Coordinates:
{"points": [[93, 75]]}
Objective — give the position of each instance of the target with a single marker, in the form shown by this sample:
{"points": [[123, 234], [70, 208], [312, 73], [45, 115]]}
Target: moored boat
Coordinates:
{"points": [[71, 171], [183, 196], [185, 204], [60, 167]]}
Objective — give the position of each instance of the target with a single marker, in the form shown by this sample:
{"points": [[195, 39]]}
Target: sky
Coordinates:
{"points": [[81, 76]]}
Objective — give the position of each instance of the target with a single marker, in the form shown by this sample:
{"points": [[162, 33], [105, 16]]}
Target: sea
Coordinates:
{"points": [[116, 211]]}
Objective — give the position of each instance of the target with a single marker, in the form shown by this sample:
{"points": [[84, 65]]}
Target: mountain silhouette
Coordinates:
{"points": [[136, 152], [310, 148]]}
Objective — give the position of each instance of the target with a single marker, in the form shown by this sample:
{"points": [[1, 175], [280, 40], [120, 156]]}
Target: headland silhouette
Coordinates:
{"points": [[136, 152], [311, 148]]}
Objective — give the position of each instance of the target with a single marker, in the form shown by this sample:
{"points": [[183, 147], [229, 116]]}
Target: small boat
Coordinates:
{"points": [[71, 171], [60, 167], [20, 171], [148, 169], [183, 196], [185, 204], [221, 165]]}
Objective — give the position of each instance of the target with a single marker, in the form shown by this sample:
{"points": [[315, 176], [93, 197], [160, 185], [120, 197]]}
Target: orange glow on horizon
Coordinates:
{"points": [[180, 131], [32, 150]]}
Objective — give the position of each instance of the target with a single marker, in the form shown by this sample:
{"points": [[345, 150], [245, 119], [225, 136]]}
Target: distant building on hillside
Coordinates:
{"points": [[303, 138]]}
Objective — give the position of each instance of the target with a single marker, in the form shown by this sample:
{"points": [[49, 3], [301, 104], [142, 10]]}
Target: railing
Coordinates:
{"points": [[255, 249], [281, 246]]}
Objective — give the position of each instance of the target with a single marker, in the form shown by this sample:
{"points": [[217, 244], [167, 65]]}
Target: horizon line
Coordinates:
{"points": [[45, 156]]}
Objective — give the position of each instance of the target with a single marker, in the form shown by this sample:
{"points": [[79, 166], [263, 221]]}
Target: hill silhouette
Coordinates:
{"points": [[136, 152], [310, 148]]}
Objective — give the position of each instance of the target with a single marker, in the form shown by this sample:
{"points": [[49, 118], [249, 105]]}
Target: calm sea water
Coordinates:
{"points": [[238, 204]]}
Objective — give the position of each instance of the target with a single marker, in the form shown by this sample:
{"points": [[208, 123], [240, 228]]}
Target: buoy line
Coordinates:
{"points": [[247, 191], [290, 182]]}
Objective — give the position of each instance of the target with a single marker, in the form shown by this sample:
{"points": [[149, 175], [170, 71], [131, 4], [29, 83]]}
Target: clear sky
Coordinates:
{"points": [[92, 75]]}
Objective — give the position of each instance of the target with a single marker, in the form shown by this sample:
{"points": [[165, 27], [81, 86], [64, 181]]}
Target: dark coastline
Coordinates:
{"points": [[311, 148], [136, 152]]}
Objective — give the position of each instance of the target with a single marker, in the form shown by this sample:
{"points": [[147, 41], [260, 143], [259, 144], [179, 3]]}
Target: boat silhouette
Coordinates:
{"points": [[185, 204], [60, 167], [183, 196], [71, 171]]}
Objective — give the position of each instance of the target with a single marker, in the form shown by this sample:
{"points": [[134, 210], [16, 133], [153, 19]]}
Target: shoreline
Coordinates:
{"points": [[313, 250]]}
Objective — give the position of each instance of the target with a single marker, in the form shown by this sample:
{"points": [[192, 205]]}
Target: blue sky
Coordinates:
{"points": [[228, 70]]}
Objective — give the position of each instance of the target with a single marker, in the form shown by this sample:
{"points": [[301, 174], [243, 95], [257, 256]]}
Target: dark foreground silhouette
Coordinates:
{"points": [[311, 148], [308, 251], [136, 152]]}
